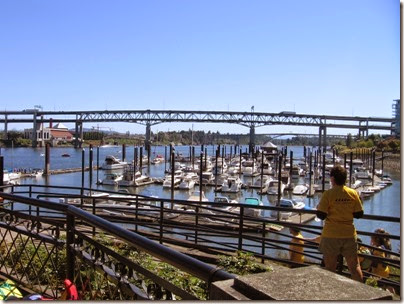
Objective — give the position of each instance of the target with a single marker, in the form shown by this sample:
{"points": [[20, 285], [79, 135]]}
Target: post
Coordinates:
{"points": [[82, 172], [323, 164], [70, 261], [1, 172], [200, 178], [240, 229], [141, 160], [373, 166], [382, 162], [90, 167], [217, 155], [98, 160], [310, 174], [279, 184], [123, 152], [46, 172], [172, 177], [350, 169]]}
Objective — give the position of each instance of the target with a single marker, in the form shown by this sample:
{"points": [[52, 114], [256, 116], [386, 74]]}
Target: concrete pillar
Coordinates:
{"points": [[5, 127], [34, 128], [252, 139], [76, 134], [324, 139], [319, 137]]}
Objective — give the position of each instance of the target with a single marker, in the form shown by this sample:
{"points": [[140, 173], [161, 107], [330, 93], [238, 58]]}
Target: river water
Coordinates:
{"points": [[386, 202]]}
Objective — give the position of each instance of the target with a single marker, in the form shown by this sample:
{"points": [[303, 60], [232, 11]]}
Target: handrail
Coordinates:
{"points": [[184, 262]]}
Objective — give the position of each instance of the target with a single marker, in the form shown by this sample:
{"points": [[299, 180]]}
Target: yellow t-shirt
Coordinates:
{"points": [[382, 270], [339, 202], [294, 256]]}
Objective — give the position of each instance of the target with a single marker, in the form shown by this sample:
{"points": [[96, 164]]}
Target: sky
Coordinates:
{"points": [[312, 57]]}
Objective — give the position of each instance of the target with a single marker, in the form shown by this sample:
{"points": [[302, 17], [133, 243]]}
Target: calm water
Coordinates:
{"points": [[386, 202]]}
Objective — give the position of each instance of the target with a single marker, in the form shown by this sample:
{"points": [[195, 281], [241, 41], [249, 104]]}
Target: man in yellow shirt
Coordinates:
{"points": [[338, 207]]}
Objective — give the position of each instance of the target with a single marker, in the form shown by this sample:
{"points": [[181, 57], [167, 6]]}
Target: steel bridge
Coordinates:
{"points": [[149, 118]]}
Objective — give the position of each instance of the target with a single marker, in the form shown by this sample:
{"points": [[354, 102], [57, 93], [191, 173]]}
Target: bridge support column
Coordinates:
{"points": [[78, 134], [81, 134], [252, 139], [148, 136], [34, 129], [5, 127]]}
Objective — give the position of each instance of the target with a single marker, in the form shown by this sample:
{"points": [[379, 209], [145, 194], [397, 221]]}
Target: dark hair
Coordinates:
{"points": [[294, 229], [339, 174], [382, 241]]}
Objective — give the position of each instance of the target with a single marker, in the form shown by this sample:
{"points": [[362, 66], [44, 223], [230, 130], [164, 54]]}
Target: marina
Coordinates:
{"points": [[250, 185]]}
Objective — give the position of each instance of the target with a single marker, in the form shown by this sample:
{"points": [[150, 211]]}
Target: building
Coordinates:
{"points": [[53, 134]]}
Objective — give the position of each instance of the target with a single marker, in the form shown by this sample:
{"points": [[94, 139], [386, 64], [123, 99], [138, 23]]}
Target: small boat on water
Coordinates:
{"points": [[290, 204], [65, 155], [273, 187], [300, 189], [111, 179], [111, 162], [232, 184]]}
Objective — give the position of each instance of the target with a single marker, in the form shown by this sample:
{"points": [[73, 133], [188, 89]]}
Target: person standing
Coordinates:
{"points": [[338, 207]]}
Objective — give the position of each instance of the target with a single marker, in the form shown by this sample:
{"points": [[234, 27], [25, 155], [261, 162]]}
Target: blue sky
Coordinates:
{"points": [[313, 56]]}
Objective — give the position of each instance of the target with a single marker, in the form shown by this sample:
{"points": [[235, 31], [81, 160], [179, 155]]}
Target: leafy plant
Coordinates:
{"points": [[242, 263]]}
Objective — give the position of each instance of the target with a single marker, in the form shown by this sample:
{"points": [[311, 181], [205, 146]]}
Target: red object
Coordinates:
{"points": [[71, 290]]}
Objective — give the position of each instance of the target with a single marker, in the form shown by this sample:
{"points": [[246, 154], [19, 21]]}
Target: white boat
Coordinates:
{"points": [[253, 201], [188, 181], [36, 173], [111, 179], [111, 162], [273, 187], [167, 181], [288, 203], [249, 168], [232, 184], [138, 180], [158, 159], [265, 182], [300, 189], [362, 173], [207, 177]]}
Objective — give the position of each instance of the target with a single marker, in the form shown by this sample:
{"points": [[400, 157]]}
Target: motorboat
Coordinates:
{"points": [[261, 185], [300, 189], [249, 168], [290, 204], [157, 159], [111, 162], [188, 181], [207, 177], [232, 184], [253, 201], [362, 173], [111, 179], [273, 187], [65, 155], [167, 181]]}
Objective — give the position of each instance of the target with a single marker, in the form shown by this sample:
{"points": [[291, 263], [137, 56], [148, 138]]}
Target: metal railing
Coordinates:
{"points": [[36, 243], [205, 226]]}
